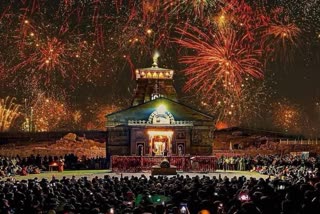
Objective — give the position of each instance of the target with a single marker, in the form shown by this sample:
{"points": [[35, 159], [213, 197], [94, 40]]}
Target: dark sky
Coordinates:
{"points": [[83, 52]]}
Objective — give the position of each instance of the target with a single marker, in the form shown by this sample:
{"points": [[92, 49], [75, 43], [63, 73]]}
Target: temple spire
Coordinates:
{"points": [[155, 59], [154, 82]]}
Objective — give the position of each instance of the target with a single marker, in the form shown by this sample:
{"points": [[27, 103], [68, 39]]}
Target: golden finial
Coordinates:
{"points": [[155, 59]]}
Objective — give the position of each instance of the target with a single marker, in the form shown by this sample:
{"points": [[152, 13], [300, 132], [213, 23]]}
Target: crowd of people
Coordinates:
{"points": [[159, 195], [10, 166], [288, 166], [293, 187]]}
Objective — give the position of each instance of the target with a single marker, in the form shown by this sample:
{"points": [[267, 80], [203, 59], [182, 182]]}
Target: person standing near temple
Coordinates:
{"points": [[61, 165]]}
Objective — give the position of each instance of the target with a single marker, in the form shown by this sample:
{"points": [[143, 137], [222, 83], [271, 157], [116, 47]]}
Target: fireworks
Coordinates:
{"points": [[288, 117], [198, 9], [47, 113], [284, 33], [221, 59], [235, 110], [9, 112], [282, 39], [73, 45]]}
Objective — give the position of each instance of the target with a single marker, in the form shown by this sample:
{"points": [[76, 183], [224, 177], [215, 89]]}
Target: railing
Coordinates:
{"points": [[144, 163], [295, 142], [175, 123]]}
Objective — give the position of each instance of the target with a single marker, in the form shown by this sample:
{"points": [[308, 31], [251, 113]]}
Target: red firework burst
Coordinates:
{"points": [[280, 38], [51, 55], [221, 59]]}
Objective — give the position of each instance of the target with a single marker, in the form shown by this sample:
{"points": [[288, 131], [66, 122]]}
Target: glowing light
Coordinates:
{"points": [[9, 111], [155, 58], [149, 31], [163, 133], [161, 109]]}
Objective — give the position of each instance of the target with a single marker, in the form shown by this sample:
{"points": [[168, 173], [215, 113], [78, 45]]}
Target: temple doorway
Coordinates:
{"points": [[160, 142]]}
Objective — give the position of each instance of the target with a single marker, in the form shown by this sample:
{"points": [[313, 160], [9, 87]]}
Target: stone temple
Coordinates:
{"points": [[156, 123]]}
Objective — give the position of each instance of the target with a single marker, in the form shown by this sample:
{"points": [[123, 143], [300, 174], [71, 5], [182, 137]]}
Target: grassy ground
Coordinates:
{"points": [[59, 175], [100, 173]]}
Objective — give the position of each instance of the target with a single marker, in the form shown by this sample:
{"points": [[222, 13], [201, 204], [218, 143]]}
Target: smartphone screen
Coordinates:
{"points": [[183, 208]]}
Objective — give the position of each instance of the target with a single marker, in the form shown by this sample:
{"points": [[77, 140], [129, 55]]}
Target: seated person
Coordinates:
{"points": [[24, 171]]}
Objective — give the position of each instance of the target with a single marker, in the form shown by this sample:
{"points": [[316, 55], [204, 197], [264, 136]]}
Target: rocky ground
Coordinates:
{"points": [[70, 143]]}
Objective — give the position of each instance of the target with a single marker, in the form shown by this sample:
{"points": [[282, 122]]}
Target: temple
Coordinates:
{"points": [[157, 124]]}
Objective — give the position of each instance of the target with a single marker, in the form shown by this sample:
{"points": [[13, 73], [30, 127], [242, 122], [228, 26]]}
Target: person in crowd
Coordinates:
{"points": [[176, 194], [61, 165]]}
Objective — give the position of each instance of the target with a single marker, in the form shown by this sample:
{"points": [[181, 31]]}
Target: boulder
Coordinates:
{"points": [[70, 137]]}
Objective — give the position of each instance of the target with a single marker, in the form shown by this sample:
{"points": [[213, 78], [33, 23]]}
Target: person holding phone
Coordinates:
{"points": [[184, 208]]}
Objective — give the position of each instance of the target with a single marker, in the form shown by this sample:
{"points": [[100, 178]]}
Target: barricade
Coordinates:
{"points": [[144, 163]]}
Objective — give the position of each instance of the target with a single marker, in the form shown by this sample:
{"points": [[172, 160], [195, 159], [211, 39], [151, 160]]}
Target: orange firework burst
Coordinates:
{"points": [[283, 34], [238, 109], [45, 58], [51, 55], [48, 113], [281, 37], [9, 111], [288, 117], [198, 9], [218, 60]]}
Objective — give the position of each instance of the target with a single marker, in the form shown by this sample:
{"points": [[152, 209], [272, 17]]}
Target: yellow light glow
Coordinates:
{"points": [[161, 109], [163, 133]]}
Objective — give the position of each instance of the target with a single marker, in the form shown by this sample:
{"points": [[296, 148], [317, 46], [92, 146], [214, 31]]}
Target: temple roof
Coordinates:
{"points": [[179, 111]]}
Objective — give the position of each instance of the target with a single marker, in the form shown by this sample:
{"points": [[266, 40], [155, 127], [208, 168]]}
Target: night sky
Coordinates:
{"points": [[249, 63]]}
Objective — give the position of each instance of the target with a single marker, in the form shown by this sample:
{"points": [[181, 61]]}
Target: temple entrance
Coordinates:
{"points": [[160, 143]]}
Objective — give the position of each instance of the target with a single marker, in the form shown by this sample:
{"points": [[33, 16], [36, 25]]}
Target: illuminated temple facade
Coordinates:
{"points": [[156, 124]]}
